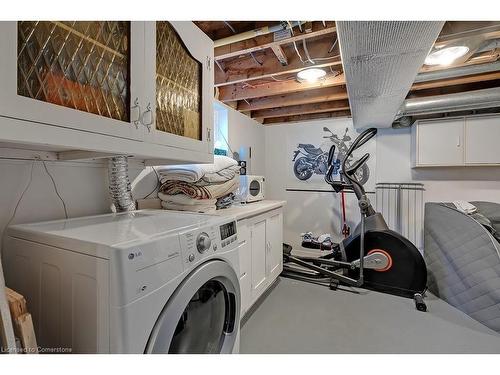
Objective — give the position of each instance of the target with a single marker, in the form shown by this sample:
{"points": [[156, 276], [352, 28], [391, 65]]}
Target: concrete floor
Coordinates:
{"points": [[298, 317]]}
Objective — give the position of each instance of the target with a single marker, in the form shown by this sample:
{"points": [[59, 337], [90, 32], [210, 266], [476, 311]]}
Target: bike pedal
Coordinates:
{"points": [[334, 284]]}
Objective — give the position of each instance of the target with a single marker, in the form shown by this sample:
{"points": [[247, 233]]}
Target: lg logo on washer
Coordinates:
{"points": [[135, 254]]}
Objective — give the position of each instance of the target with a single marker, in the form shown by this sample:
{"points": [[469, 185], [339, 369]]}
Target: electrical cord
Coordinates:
{"points": [[55, 188], [158, 183], [28, 184]]}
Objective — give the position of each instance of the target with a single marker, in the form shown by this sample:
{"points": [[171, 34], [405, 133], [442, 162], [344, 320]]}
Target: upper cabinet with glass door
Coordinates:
{"points": [[86, 75], [179, 86]]}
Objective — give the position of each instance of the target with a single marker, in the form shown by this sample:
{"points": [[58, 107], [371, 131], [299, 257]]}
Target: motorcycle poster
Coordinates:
{"points": [[308, 149]]}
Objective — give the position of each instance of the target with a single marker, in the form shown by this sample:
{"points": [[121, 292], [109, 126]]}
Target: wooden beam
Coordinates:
{"points": [[312, 96], [246, 69], [455, 81], [238, 92], [334, 106], [486, 33], [267, 41], [280, 55], [308, 117]]}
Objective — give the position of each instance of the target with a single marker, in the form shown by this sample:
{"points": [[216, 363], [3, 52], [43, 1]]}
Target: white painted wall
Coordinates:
{"points": [[244, 133], [318, 212], [82, 185]]}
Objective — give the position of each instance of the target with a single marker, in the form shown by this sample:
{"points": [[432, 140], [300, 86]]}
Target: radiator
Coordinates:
{"points": [[402, 205]]}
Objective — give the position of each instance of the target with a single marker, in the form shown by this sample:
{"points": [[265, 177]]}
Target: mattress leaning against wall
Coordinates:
{"points": [[463, 261]]}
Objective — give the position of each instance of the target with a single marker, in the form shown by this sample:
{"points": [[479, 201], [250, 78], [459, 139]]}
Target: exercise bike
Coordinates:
{"points": [[373, 256]]}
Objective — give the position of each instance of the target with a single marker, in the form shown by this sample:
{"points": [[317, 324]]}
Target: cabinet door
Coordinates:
{"points": [[259, 265], [440, 142], [245, 256], [75, 74], [274, 237], [179, 86], [481, 140]]}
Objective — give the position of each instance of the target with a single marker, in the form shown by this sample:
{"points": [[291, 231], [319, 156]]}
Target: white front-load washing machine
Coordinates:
{"points": [[136, 282]]}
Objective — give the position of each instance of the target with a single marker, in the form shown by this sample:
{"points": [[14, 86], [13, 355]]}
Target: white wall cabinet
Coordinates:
{"points": [[95, 82], [461, 141], [261, 254], [482, 137]]}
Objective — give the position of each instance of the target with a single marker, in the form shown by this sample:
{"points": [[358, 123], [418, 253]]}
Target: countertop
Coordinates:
{"points": [[242, 211]]}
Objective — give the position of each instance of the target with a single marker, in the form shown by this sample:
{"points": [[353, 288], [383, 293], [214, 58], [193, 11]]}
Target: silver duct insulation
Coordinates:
{"points": [[119, 184], [463, 101], [457, 72], [381, 60]]}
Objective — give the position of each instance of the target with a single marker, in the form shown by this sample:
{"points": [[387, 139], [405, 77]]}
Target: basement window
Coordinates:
{"points": [[221, 146]]}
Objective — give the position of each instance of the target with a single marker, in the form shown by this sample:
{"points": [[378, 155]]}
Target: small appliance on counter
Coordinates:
{"points": [[251, 188]]}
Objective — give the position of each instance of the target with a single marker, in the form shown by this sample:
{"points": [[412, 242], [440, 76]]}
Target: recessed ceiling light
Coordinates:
{"points": [[446, 55], [311, 75]]}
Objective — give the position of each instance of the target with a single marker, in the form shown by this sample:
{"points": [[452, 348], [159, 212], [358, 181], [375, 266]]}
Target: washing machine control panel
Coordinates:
{"points": [[200, 243]]}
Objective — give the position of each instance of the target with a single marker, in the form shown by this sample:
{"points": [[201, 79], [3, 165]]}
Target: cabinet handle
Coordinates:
{"points": [[209, 63], [458, 141], [208, 134], [138, 107], [151, 119]]}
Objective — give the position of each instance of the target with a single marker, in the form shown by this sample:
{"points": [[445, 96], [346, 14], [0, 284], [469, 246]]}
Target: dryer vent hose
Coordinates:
{"points": [[119, 185]]}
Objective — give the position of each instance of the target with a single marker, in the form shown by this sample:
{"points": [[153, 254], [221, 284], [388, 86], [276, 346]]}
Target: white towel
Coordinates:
{"points": [[195, 172], [191, 208], [465, 207], [182, 199]]}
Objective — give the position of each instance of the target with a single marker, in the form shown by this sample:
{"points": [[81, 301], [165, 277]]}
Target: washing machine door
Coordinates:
{"points": [[202, 316]]}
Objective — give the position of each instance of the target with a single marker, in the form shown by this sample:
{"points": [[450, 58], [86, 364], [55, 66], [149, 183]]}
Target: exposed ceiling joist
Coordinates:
{"points": [[237, 92], [247, 69], [456, 81], [334, 106], [487, 33], [267, 41], [311, 116], [312, 96]]}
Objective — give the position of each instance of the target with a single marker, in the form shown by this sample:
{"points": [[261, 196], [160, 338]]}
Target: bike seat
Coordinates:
{"points": [[311, 148]]}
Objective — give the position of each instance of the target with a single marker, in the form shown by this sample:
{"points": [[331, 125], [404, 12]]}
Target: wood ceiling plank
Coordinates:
{"points": [[238, 92], [311, 116], [455, 81], [311, 96], [333, 106], [267, 41], [247, 69]]}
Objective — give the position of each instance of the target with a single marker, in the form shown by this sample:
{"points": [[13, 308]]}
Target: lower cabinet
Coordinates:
{"points": [[261, 254]]}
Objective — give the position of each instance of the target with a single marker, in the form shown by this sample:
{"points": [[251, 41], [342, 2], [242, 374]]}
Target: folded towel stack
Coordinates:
{"points": [[199, 187]]}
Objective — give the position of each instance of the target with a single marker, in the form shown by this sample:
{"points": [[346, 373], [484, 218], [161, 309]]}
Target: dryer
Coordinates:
{"points": [[136, 282]]}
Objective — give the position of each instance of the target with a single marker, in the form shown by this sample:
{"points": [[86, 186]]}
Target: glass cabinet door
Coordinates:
{"points": [[74, 74], [178, 85], [181, 90]]}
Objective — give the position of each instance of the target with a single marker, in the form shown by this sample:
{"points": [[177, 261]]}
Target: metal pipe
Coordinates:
{"points": [[457, 72], [119, 184], [463, 101], [254, 33]]}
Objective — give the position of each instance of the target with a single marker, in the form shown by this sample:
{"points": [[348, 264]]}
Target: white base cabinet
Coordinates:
{"points": [[456, 142], [261, 254]]}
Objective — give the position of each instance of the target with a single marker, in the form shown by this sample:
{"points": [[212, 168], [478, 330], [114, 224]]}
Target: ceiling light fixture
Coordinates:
{"points": [[446, 55], [311, 75]]}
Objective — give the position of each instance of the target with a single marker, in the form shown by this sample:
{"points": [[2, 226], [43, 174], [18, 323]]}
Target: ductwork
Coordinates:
{"points": [[463, 101], [457, 72], [381, 60], [119, 184]]}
